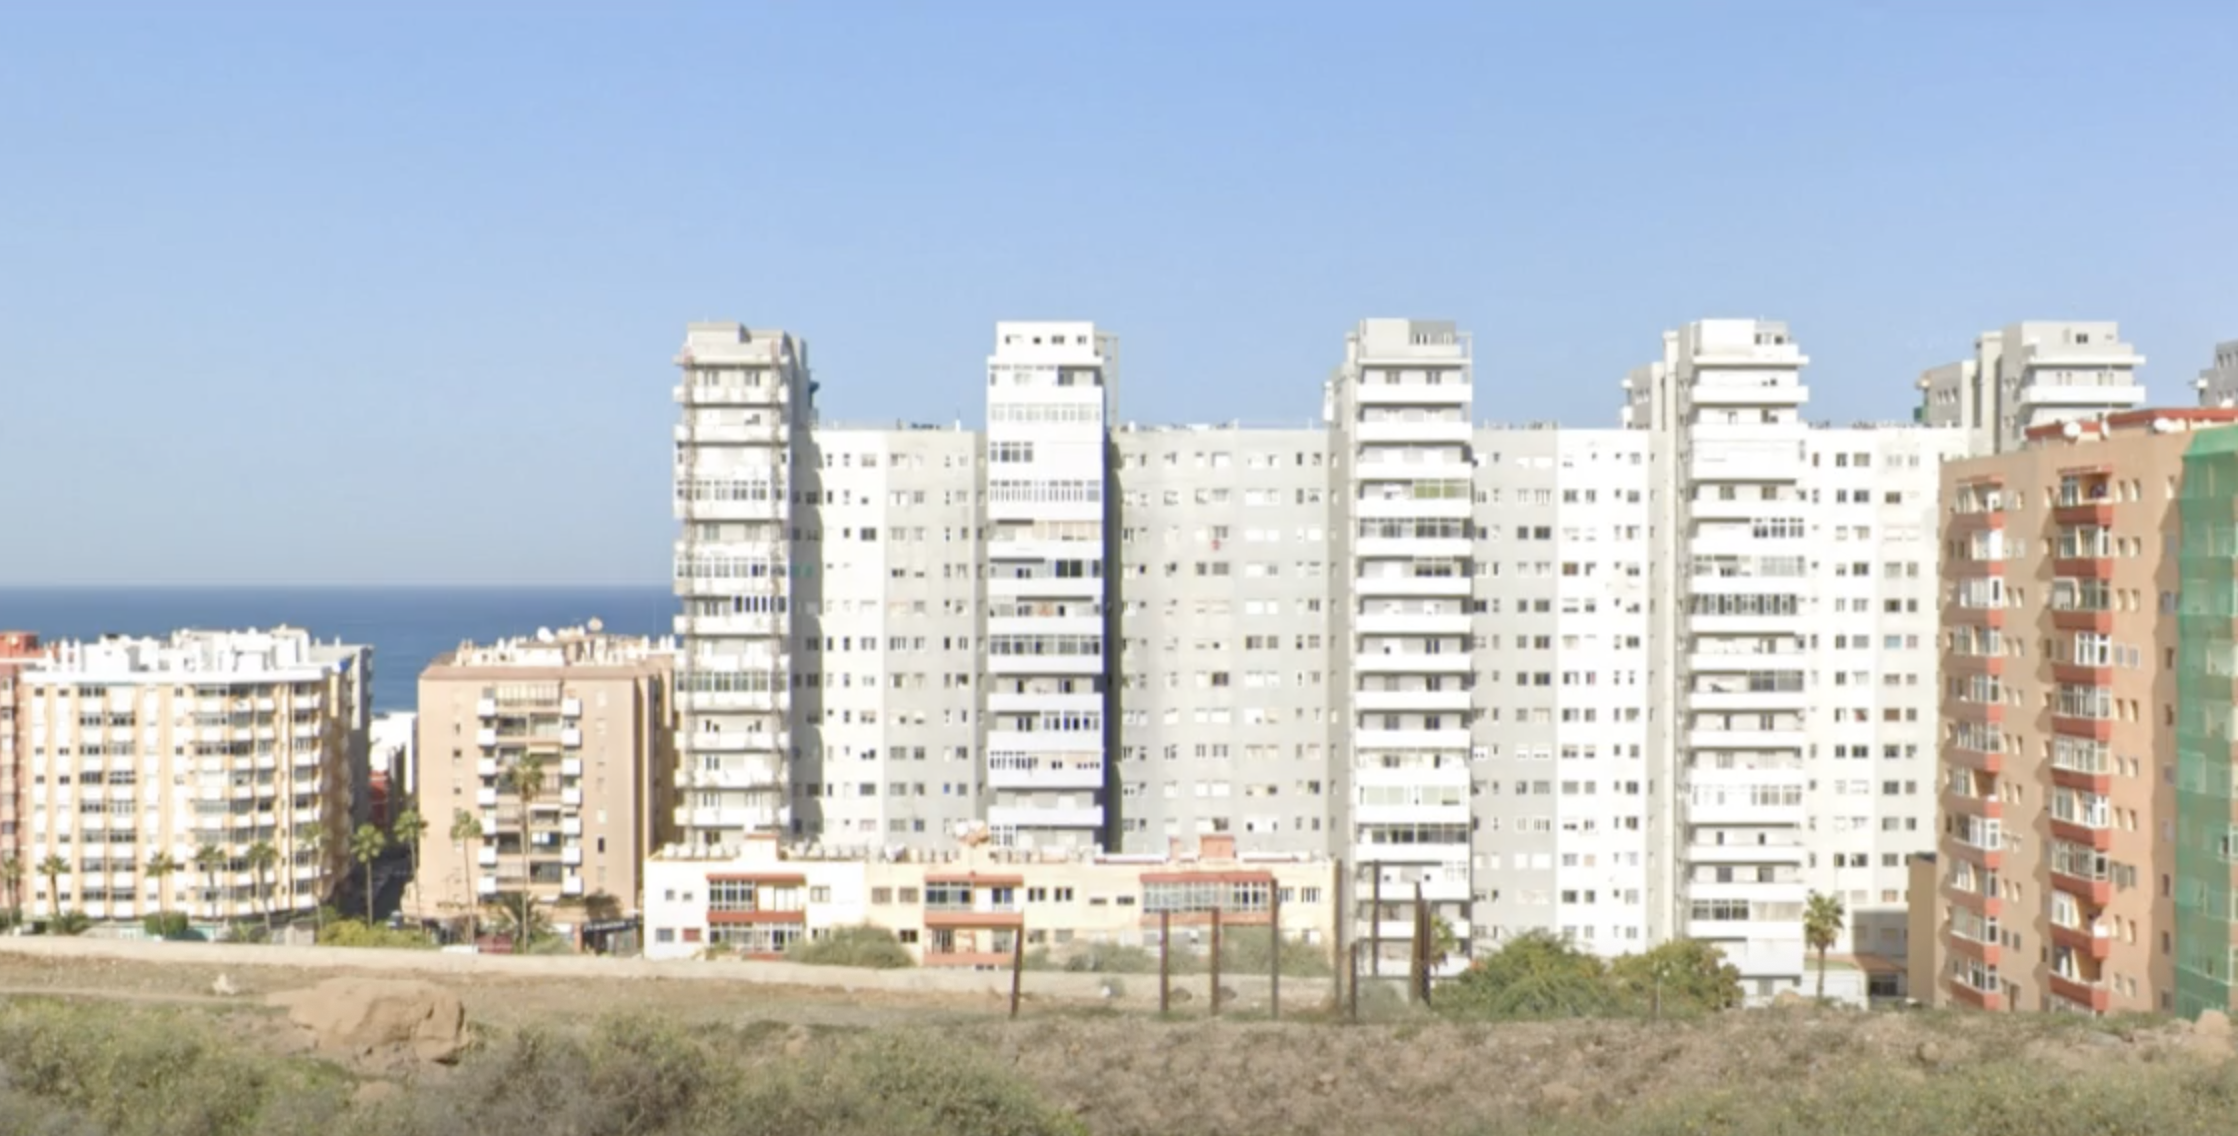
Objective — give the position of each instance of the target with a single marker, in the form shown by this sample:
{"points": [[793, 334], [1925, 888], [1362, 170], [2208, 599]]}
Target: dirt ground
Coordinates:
{"points": [[1126, 1074], [506, 1002]]}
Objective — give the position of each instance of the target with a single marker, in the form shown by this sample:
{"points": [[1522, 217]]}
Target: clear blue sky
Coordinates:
{"points": [[387, 292]]}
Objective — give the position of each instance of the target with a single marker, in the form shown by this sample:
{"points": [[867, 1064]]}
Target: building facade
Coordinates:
{"points": [[1624, 684], [2063, 711], [147, 750], [2218, 385], [746, 401], [2028, 375], [16, 649], [967, 907], [1792, 652], [592, 717]]}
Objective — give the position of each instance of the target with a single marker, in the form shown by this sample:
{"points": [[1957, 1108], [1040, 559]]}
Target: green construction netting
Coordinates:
{"points": [[2206, 702]]}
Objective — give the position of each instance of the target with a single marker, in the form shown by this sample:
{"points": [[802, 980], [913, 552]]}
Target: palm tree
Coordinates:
{"points": [[208, 859], [366, 845], [1822, 928], [313, 842], [52, 868], [409, 828], [262, 856], [525, 780], [466, 828], [161, 868], [11, 872]]}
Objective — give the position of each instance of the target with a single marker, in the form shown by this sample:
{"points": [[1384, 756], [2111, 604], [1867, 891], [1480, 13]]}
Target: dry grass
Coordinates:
{"points": [[755, 1067]]}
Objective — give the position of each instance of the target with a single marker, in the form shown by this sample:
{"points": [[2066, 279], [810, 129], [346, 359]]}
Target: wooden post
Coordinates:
{"points": [[1216, 959], [1017, 966], [1414, 950], [1422, 925], [1165, 961], [1375, 920], [1352, 980], [1338, 955], [1274, 935]]}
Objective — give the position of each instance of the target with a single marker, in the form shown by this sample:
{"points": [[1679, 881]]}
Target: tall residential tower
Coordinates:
{"points": [[746, 400]]}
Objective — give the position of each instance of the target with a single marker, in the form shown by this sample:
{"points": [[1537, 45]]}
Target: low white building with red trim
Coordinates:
{"points": [[965, 908]]}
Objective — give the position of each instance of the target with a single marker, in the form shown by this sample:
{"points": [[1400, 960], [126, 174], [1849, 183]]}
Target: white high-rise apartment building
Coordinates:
{"points": [[885, 727], [746, 399], [1225, 594], [2029, 374], [1051, 387], [2218, 385], [1561, 768], [1399, 411], [1792, 653], [1623, 684]]}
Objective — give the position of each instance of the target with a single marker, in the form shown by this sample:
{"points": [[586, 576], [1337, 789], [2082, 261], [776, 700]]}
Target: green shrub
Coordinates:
{"points": [[70, 923], [78, 1067], [168, 925], [354, 933], [875, 948]]}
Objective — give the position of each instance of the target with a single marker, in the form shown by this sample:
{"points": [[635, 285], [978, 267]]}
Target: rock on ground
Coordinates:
{"points": [[372, 1018]]}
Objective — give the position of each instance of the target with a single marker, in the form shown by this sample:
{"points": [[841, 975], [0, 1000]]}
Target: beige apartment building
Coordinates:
{"points": [[595, 714], [2061, 667], [16, 649], [131, 750]]}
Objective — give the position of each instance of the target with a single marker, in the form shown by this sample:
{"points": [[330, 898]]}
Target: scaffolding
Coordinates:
{"points": [[2207, 701]]}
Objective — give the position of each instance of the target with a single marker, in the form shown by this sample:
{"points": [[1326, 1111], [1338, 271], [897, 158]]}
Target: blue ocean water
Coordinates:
{"points": [[406, 627]]}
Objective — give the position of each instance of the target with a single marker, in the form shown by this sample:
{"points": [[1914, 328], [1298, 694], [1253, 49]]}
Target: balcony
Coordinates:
{"points": [[571, 767], [1986, 952], [1408, 547], [1449, 587], [733, 701], [1725, 661], [486, 767], [1987, 713], [1411, 701], [1768, 701], [1401, 433], [485, 737], [2076, 832], [730, 624], [2096, 944], [1978, 999], [2097, 997], [1982, 904], [1451, 739], [1967, 805], [2095, 729], [1036, 773], [1399, 662], [2098, 892], [1045, 816], [1412, 623], [732, 433], [1747, 739], [571, 738], [762, 394], [1980, 760], [2101, 783], [1791, 852], [1411, 394], [731, 741]]}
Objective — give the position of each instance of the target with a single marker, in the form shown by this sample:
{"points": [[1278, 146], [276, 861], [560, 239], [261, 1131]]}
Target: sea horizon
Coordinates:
{"points": [[407, 625]]}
